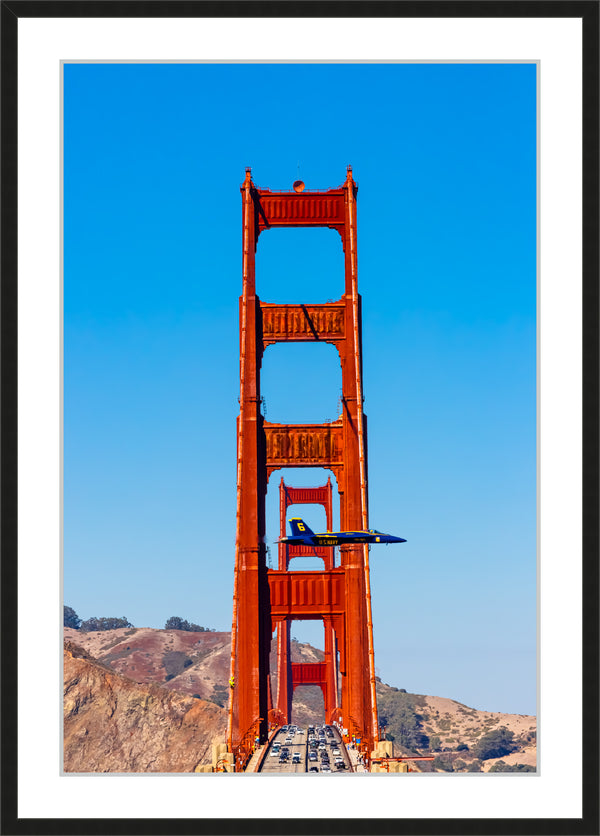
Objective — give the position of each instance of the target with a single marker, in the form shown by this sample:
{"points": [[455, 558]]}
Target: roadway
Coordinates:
{"points": [[300, 744]]}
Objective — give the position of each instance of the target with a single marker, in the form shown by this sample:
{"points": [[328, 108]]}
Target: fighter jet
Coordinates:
{"points": [[302, 535]]}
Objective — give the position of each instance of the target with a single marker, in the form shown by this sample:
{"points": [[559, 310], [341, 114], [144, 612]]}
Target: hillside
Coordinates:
{"points": [[191, 667], [191, 663], [113, 724], [453, 732]]}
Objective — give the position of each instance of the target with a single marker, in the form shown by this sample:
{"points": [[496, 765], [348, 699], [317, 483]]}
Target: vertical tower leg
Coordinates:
{"points": [[284, 669], [251, 634], [330, 690]]}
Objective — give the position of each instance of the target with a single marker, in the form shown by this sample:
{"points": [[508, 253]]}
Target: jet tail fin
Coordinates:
{"points": [[299, 528]]}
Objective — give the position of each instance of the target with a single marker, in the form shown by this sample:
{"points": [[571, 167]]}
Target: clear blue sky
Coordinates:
{"points": [[445, 160]]}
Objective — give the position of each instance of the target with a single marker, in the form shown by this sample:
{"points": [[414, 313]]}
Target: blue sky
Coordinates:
{"points": [[445, 160]]}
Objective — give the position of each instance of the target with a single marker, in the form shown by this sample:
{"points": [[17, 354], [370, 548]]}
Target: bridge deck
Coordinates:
{"points": [[300, 743]]}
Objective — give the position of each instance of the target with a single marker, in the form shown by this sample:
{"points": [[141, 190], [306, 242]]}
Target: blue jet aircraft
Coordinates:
{"points": [[302, 535]]}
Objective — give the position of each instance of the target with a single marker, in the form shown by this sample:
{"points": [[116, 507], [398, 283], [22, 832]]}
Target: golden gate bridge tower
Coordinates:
{"points": [[265, 600]]}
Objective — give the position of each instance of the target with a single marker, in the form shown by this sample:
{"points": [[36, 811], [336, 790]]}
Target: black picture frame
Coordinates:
{"points": [[14, 10]]}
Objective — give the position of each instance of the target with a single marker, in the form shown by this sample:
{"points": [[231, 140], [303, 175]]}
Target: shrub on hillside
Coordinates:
{"points": [[495, 744], [402, 721], [220, 695], [435, 743], [406, 729], [177, 623], [445, 764], [93, 624], [502, 766], [71, 619], [176, 661]]}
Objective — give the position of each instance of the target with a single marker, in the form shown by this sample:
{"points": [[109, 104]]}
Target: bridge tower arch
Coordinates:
{"points": [[340, 596]]}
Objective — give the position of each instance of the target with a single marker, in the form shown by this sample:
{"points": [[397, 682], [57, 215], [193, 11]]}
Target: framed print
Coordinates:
{"points": [[471, 131]]}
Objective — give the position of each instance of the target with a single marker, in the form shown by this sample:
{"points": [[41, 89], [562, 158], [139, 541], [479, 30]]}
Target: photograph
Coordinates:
{"points": [[443, 181], [292, 324]]}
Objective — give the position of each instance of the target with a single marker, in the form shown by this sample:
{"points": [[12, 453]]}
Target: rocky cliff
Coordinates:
{"points": [[114, 724]]}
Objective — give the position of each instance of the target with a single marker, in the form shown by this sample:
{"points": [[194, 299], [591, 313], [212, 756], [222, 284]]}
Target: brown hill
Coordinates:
{"points": [[113, 724], [453, 732], [192, 663], [196, 664]]}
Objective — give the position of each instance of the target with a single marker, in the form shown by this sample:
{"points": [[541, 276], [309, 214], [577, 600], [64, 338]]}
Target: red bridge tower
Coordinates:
{"points": [[339, 596]]}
